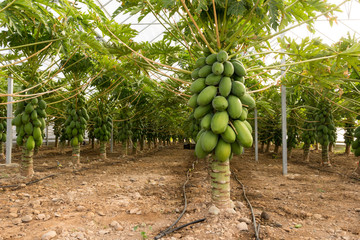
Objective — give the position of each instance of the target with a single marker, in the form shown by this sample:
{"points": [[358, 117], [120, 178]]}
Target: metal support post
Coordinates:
{"points": [[47, 135]]}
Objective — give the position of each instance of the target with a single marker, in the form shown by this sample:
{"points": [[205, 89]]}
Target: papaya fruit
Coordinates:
{"points": [[204, 71], [191, 103], [201, 111], [222, 56], [220, 103], [211, 59], [18, 120], [74, 132], [219, 122], [37, 133], [222, 151], [41, 112], [212, 79], [25, 118], [74, 142], [243, 134], [217, 68], [195, 73], [38, 142], [30, 143], [248, 126], [34, 115], [239, 68], [197, 85], [244, 114], [34, 101], [206, 121], [238, 89], [42, 104], [208, 141], [236, 148], [199, 152], [19, 140], [228, 69], [200, 62], [29, 108], [246, 99], [206, 95], [229, 135], [239, 79], [28, 128], [357, 152], [234, 107], [225, 86]]}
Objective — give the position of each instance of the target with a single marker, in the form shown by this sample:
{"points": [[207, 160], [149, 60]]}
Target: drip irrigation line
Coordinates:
{"points": [[256, 227], [171, 228], [29, 183]]}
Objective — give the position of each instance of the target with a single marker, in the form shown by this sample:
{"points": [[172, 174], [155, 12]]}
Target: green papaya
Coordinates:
{"points": [[208, 141], [30, 143], [212, 79], [34, 115], [225, 86], [229, 135], [219, 122], [204, 71], [206, 95], [18, 120], [191, 103], [239, 68], [195, 73], [42, 104], [199, 152], [235, 107], [29, 108], [19, 140], [25, 118], [197, 85], [28, 128], [222, 151], [41, 112], [246, 99], [248, 126], [217, 68], [238, 89], [74, 142], [38, 142], [201, 111], [220, 103], [236, 148], [81, 138], [34, 101], [222, 56], [355, 144], [206, 121], [244, 114], [37, 133], [200, 62], [211, 59], [243, 134], [228, 69], [239, 79], [74, 132]]}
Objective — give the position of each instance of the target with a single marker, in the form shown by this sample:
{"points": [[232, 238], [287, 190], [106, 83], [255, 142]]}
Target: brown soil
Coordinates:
{"points": [[144, 194]]}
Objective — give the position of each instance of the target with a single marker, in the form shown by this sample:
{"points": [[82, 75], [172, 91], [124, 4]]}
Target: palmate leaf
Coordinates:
{"points": [[237, 8], [276, 7]]}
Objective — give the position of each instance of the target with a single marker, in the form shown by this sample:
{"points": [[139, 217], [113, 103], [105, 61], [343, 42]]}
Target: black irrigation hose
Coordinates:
{"points": [[170, 229], [29, 183], [256, 228]]}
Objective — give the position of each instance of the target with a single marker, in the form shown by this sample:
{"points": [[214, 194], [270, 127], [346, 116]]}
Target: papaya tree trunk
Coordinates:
{"points": [[56, 141], [358, 168], [348, 149], [2, 155], [62, 147], [134, 148], [306, 156], [149, 144], [124, 147], [220, 183], [155, 143], [27, 166], [289, 153], [316, 146], [331, 147], [262, 147], [276, 149], [36, 151], [267, 147], [102, 150], [76, 155], [92, 143], [325, 155], [141, 143]]}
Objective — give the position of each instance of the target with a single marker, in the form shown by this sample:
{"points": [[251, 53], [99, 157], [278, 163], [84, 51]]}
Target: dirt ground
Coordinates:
{"points": [[138, 196]]}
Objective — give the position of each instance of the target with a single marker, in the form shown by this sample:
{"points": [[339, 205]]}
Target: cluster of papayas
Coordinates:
{"points": [[220, 104], [102, 128], [349, 133], [76, 121], [308, 135], [30, 122], [325, 129], [3, 126]]}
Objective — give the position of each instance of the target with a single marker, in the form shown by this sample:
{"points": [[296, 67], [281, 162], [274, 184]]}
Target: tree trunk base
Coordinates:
{"points": [[325, 160], [220, 184], [348, 149], [27, 166], [306, 156], [76, 156]]}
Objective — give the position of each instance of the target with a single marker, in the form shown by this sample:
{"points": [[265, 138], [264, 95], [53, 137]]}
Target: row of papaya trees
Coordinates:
{"points": [[82, 72]]}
